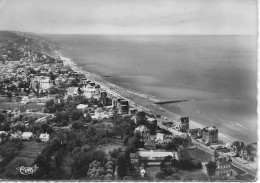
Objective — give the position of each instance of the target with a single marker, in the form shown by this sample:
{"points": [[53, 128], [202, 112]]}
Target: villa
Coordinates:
{"points": [[144, 132], [210, 134]]}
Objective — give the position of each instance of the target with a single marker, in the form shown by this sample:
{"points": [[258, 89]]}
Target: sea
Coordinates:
{"points": [[214, 78]]}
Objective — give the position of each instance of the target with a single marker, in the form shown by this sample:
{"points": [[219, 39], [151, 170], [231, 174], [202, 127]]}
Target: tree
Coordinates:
{"points": [[166, 166], [2, 118], [73, 83], [53, 90], [122, 162], [76, 114], [88, 118], [77, 125], [44, 127], [160, 175], [170, 146], [211, 168]]}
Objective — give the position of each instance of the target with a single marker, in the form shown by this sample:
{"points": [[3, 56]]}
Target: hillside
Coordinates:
{"points": [[13, 44]]}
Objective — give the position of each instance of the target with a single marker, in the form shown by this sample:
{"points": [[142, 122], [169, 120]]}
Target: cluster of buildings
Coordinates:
{"points": [[247, 152]]}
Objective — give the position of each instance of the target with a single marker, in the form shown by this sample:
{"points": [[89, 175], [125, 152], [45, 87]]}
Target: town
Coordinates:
{"points": [[73, 128]]}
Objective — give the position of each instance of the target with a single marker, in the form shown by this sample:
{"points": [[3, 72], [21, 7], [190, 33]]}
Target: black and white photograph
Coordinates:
{"points": [[129, 90]]}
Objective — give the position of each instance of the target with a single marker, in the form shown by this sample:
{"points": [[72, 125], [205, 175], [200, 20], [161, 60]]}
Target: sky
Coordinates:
{"points": [[188, 17]]}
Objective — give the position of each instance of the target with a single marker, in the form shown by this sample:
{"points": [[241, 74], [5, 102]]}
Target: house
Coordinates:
{"points": [[99, 114], [149, 145], [183, 124], [72, 91], [123, 107], [134, 158], [236, 147], [45, 83], [210, 135], [249, 152], [160, 136], [89, 91], [223, 166], [82, 107], [27, 135], [144, 133], [195, 133], [44, 137]]}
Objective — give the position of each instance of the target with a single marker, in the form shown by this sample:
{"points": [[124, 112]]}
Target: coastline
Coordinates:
{"points": [[140, 100]]}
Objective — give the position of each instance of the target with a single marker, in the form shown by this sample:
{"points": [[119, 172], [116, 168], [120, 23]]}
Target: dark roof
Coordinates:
{"points": [[224, 159], [149, 143]]}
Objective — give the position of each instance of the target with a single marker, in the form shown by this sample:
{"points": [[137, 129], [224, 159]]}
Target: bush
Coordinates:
{"points": [[160, 175]]}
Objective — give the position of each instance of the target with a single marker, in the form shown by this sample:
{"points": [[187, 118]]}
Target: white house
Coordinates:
{"points": [[91, 91], [160, 136], [100, 114], [72, 91], [25, 100], [44, 137], [82, 106], [27, 135], [45, 83]]}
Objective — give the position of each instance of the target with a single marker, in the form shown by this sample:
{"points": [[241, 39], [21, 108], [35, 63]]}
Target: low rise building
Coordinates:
{"points": [[82, 107], [195, 133], [155, 157], [149, 145], [44, 137], [27, 135]]}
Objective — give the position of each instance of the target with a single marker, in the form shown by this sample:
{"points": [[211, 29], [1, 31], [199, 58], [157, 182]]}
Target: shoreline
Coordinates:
{"points": [[137, 99]]}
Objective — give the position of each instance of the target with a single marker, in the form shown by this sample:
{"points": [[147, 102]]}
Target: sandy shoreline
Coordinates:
{"points": [[141, 100]]}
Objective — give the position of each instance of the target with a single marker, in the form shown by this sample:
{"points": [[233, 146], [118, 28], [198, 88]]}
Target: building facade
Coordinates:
{"points": [[223, 166], [144, 133], [210, 134]]}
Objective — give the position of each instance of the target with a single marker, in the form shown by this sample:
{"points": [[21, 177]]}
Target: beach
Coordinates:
{"points": [[141, 100]]}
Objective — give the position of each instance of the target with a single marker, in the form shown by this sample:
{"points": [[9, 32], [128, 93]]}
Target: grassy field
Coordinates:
{"points": [[25, 158], [199, 155], [12, 105]]}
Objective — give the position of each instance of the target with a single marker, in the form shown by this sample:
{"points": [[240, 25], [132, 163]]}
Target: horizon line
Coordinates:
{"points": [[122, 34]]}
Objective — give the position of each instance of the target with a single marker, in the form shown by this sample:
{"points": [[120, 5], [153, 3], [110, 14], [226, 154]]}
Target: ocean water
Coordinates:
{"points": [[216, 74]]}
